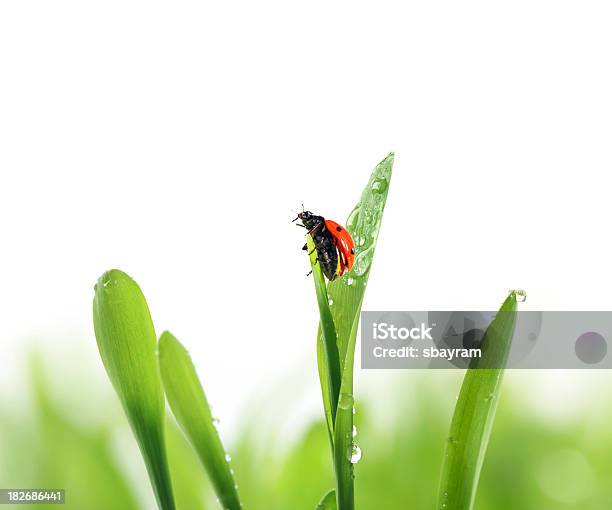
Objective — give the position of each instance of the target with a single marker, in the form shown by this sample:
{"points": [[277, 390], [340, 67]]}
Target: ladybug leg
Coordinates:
{"points": [[310, 272], [305, 247], [299, 225]]}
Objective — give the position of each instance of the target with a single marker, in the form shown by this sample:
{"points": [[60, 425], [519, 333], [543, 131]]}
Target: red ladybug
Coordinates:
{"points": [[334, 245]]}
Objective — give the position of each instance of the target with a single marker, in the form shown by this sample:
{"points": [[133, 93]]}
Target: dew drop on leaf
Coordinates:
{"points": [[363, 262], [355, 454], [521, 295], [346, 401], [350, 222], [379, 186]]}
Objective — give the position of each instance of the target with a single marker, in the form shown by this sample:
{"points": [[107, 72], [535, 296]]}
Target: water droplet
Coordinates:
{"points": [[331, 301], [354, 431], [521, 295], [228, 457], [355, 454], [216, 421], [360, 241], [350, 281], [352, 219], [452, 440], [379, 186], [346, 401], [354, 411], [363, 262], [489, 397]]}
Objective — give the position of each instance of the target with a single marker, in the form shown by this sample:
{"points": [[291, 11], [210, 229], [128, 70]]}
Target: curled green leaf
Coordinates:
{"points": [[127, 344]]}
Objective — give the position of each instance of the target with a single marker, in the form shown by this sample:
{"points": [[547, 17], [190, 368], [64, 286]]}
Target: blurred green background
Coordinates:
{"points": [[551, 446]]}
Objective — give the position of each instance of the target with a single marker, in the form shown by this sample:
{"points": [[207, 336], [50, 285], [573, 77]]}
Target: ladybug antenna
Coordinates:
{"points": [[297, 217]]}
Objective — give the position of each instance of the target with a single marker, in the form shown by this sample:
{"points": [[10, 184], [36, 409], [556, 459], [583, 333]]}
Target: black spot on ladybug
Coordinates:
{"points": [[338, 229], [353, 251]]}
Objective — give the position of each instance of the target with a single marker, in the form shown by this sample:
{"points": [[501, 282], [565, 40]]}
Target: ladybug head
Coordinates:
{"points": [[305, 215], [309, 220]]}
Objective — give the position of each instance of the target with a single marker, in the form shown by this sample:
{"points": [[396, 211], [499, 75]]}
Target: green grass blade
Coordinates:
{"points": [[343, 451], [364, 225], [328, 340], [328, 502], [344, 447], [475, 412], [346, 294], [127, 344], [190, 407]]}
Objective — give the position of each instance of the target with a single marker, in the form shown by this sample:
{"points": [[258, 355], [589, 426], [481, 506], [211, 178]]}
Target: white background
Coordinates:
{"points": [[175, 140]]}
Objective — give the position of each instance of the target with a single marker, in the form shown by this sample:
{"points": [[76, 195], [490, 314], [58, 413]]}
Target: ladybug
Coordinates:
{"points": [[334, 245]]}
